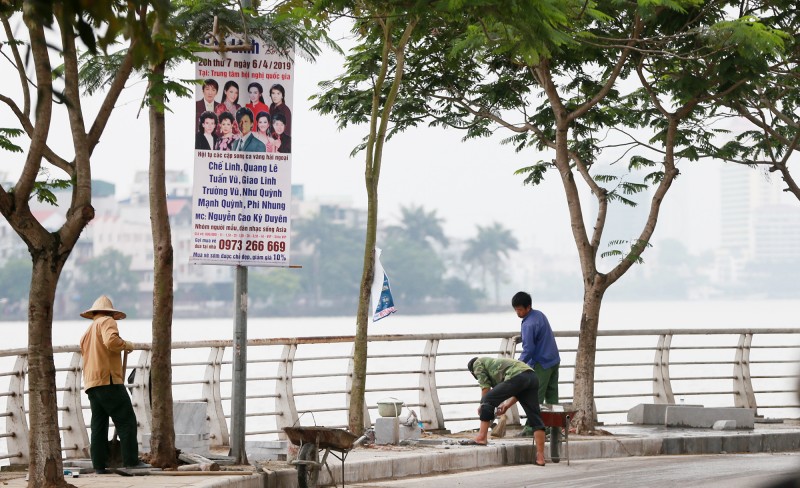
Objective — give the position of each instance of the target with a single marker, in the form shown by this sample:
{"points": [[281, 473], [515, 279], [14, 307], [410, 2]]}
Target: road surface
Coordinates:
{"points": [[712, 471]]}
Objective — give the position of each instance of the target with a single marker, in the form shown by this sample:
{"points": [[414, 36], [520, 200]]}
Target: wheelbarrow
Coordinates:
{"points": [[312, 442], [557, 417]]}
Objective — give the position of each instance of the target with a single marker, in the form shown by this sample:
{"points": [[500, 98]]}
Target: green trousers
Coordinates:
{"points": [[548, 383], [112, 401]]}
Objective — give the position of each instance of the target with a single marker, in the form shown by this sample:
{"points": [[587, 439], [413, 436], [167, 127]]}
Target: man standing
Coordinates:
{"points": [[503, 382], [102, 380], [539, 349]]}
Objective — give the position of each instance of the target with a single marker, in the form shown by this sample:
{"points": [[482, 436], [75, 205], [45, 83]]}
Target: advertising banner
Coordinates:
{"points": [[380, 293], [242, 192]]}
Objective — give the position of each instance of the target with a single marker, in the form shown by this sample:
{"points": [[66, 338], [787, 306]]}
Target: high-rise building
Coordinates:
{"points": [[759, 224]]}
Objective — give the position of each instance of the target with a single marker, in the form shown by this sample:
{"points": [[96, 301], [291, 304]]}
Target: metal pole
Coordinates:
{"points": [[239, 393], [239, 396]]}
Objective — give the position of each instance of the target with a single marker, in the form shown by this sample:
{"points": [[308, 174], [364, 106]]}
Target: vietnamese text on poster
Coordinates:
{"points": [[241, 201]]}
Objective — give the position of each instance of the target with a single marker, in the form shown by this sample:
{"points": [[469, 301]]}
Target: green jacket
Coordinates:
{"points": [[491, 372]]}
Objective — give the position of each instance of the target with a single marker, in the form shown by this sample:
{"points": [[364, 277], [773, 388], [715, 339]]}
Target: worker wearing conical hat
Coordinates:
{"points": [[103, 382]]}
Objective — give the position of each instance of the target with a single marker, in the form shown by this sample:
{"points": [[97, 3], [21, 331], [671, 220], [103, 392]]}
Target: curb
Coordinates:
{"points": [[465, 458], [239, 481]]}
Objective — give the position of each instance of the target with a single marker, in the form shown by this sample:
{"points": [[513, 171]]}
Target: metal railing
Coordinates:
{"points": [[307, 381]]}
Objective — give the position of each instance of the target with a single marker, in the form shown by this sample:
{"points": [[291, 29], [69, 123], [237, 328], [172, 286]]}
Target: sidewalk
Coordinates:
{"points": [[442, 454]]}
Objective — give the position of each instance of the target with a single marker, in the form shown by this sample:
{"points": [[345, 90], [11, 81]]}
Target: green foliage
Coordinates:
{"points": [[42, 190], [533, 174], [183, 25], [768, 128], [445, 56], [98, 24], [634, 252], [6, 134], [284, 25]]}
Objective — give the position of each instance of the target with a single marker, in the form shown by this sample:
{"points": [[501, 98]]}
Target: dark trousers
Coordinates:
{"points": [[112, 401], [524, 386]]}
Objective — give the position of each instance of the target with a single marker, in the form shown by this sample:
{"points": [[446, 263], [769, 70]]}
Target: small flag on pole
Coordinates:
{"points": [[381, 294]]}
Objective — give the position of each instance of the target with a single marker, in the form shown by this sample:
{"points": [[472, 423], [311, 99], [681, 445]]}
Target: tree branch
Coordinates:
{"points": [[20, 68], [112, 95], [612, 79]]}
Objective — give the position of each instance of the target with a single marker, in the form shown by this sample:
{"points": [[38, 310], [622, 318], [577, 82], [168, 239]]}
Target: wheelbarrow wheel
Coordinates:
{"points": [[308, 474]]}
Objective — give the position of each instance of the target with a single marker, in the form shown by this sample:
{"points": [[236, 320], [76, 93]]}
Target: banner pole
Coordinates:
{"points": [[239, 393], [239, 388]]}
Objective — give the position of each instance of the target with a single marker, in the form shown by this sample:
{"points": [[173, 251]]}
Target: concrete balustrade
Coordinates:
{"points": [[429, 372]]}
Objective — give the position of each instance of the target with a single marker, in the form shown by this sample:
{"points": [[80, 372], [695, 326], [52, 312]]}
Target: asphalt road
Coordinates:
{"points": [[713, 471]]}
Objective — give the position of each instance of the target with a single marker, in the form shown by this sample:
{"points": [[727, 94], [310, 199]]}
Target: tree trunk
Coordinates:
{"points": [[379, 120], [583, 396], [359, 383], [162, 440], [46, 466]]}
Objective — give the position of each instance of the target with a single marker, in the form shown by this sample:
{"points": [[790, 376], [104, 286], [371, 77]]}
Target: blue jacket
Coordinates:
{"points": [[538, 341]]}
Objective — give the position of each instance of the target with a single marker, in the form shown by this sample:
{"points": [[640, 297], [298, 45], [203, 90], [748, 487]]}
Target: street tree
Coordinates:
{"points": [[53, 30], [682, 72], [376, 68], [374, 74]]}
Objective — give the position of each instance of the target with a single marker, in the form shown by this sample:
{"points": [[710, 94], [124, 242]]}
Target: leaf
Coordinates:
{"points": [[534, 174], [42, 190], [5, 139]]}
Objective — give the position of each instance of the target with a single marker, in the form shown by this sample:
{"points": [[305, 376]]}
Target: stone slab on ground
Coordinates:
{"points": [[699, 417], [652, 413], [266, 450]]}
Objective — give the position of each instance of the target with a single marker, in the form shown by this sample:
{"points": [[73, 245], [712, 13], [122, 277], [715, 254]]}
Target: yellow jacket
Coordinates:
{"points": [[101, 346]]}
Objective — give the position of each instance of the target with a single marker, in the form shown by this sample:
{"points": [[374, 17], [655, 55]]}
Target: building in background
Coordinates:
{"points": [[759, 231]]}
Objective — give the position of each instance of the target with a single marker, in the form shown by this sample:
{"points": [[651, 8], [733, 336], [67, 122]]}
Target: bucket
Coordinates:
{"points": [[390, 407]]}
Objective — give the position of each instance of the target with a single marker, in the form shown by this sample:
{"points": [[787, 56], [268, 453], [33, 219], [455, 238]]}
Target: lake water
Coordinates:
{"points": [[562, 315]]}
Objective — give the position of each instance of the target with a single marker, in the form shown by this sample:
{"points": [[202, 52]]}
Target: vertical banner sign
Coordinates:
{"points": [[241, 201]]}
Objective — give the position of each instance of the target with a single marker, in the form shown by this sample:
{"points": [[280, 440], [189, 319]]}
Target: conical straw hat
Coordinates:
{"points": [[103, 304]]}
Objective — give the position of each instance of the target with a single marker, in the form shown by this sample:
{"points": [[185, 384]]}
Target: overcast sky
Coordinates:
{"points": [[467, 183]]}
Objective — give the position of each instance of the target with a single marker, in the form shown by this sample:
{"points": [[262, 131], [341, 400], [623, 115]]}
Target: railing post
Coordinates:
{"points": [[16, 423], [743, 394], [74, 433], [218, 427], [283, 388], [508, 346], [141, 394], [350, 373], [662, 387], [430, 409]]}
